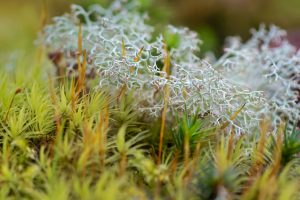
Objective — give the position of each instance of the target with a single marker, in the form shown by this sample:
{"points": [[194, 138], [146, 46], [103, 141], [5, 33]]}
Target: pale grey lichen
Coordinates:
{"points": [[269, 63], [194, 84]]}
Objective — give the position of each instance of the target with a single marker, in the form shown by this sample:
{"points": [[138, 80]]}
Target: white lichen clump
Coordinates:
{"points": [[125, 54], [268, 63]]}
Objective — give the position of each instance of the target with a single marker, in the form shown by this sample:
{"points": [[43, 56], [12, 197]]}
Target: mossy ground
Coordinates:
{"points": [[63, 139]]}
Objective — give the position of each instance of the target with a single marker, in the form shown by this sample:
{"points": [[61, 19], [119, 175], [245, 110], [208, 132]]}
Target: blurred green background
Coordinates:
{"points": [[20, 20]]}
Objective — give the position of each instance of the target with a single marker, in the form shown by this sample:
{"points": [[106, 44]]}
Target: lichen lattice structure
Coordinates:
{"points": [[125, 53], [267, 62]]}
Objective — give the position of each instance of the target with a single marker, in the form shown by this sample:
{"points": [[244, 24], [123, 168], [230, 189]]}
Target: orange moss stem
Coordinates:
{"points": [[166, 68]]}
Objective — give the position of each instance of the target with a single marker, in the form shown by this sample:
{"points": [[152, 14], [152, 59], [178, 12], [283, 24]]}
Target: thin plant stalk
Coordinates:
{"points": [[11, 102], [166, 69]]}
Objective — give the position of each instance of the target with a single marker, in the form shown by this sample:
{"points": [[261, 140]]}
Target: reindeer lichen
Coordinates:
{"points": [[269, 63], [124, 52]]}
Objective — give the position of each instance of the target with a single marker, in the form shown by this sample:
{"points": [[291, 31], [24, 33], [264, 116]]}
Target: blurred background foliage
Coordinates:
{"points": [[212, 19]]}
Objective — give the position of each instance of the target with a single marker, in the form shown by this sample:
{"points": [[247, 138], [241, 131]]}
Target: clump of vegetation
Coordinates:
{"points": [[162, 123], [269, 63], [124, 52]]}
